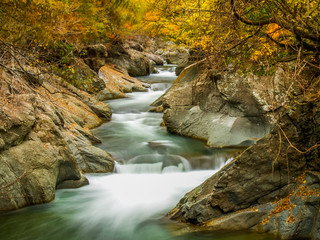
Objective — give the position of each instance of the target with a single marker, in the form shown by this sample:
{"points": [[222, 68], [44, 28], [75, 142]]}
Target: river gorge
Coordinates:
{"points": [[154, 171]]}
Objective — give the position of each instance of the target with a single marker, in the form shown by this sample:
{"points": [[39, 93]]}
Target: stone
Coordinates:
{"points": [[133, 61], [220, 109], [95, 160], [83, 181], [89, 80], [44, 137], [29, 173], [95, 56], [118, 82], [256, 185], [15, 125], [175, 55], [155, 58]]}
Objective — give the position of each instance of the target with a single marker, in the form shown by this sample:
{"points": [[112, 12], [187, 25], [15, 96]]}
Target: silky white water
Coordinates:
{"points": [[154, 172]]}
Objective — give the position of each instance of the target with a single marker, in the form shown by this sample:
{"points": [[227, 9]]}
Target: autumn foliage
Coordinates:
{"points": [[256, 30], [243, 32]]}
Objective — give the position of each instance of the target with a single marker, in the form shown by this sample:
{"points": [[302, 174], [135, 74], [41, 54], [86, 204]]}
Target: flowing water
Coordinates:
{"points": [[155, 170]]}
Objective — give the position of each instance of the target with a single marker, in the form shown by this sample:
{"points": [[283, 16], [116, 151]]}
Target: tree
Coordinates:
{"points": [[259, 30]]}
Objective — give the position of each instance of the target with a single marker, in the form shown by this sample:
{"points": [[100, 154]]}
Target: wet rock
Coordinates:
{"points": [[222, 109], [44, 138], [95, 160], [83, 181], [256, 191]]}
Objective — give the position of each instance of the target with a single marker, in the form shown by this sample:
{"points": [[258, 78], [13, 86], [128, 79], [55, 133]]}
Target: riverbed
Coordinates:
{"points": [[153, 172]]}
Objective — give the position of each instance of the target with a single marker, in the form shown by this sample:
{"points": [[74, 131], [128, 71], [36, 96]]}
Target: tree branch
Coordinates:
{"points": [[250, 22]]}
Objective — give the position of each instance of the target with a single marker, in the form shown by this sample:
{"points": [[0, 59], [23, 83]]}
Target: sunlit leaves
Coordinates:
{"points": [[77, 22], [269, 28]]}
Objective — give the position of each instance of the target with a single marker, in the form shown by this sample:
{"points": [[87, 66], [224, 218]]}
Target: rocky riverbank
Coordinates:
{"points": [[45, 137], [273, 186]]}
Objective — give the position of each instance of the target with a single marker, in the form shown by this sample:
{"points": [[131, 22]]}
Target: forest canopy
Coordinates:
{"points": [[256, 30]]}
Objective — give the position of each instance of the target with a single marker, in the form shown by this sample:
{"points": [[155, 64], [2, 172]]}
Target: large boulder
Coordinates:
{"points": [[173, 54], [95, 56], [223, 108], [87, 79], [132, 60], [272, 187], [32, 167], [118, 82], [45, 141], [154, 58]]}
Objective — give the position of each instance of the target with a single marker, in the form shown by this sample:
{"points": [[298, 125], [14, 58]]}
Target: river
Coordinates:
{"points": [[155, 170]]}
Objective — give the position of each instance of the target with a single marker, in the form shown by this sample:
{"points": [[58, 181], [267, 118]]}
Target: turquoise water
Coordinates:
{"points": [[155, 170]]}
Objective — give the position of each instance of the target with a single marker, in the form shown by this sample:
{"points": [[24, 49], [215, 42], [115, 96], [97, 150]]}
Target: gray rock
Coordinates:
{"points": [[83, 181], [217, 108], [155, 58], [95, 56], [96, 160], [29, 173], [256, 186], [133, 61]]}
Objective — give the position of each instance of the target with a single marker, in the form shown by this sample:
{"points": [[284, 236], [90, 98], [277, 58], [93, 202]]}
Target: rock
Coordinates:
{"points": [[133, 45], [73, 183], [96, 160], [195, 55], [173, 54], [256, 191], [28, 175], [158, 60], [89, 80], [15, 125], [295, 217], [95, 56], [133, 61], [222, 109], [181, 67], [101, 109], [90, 159], [44, 138], [78, 110], [118, 83]]}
